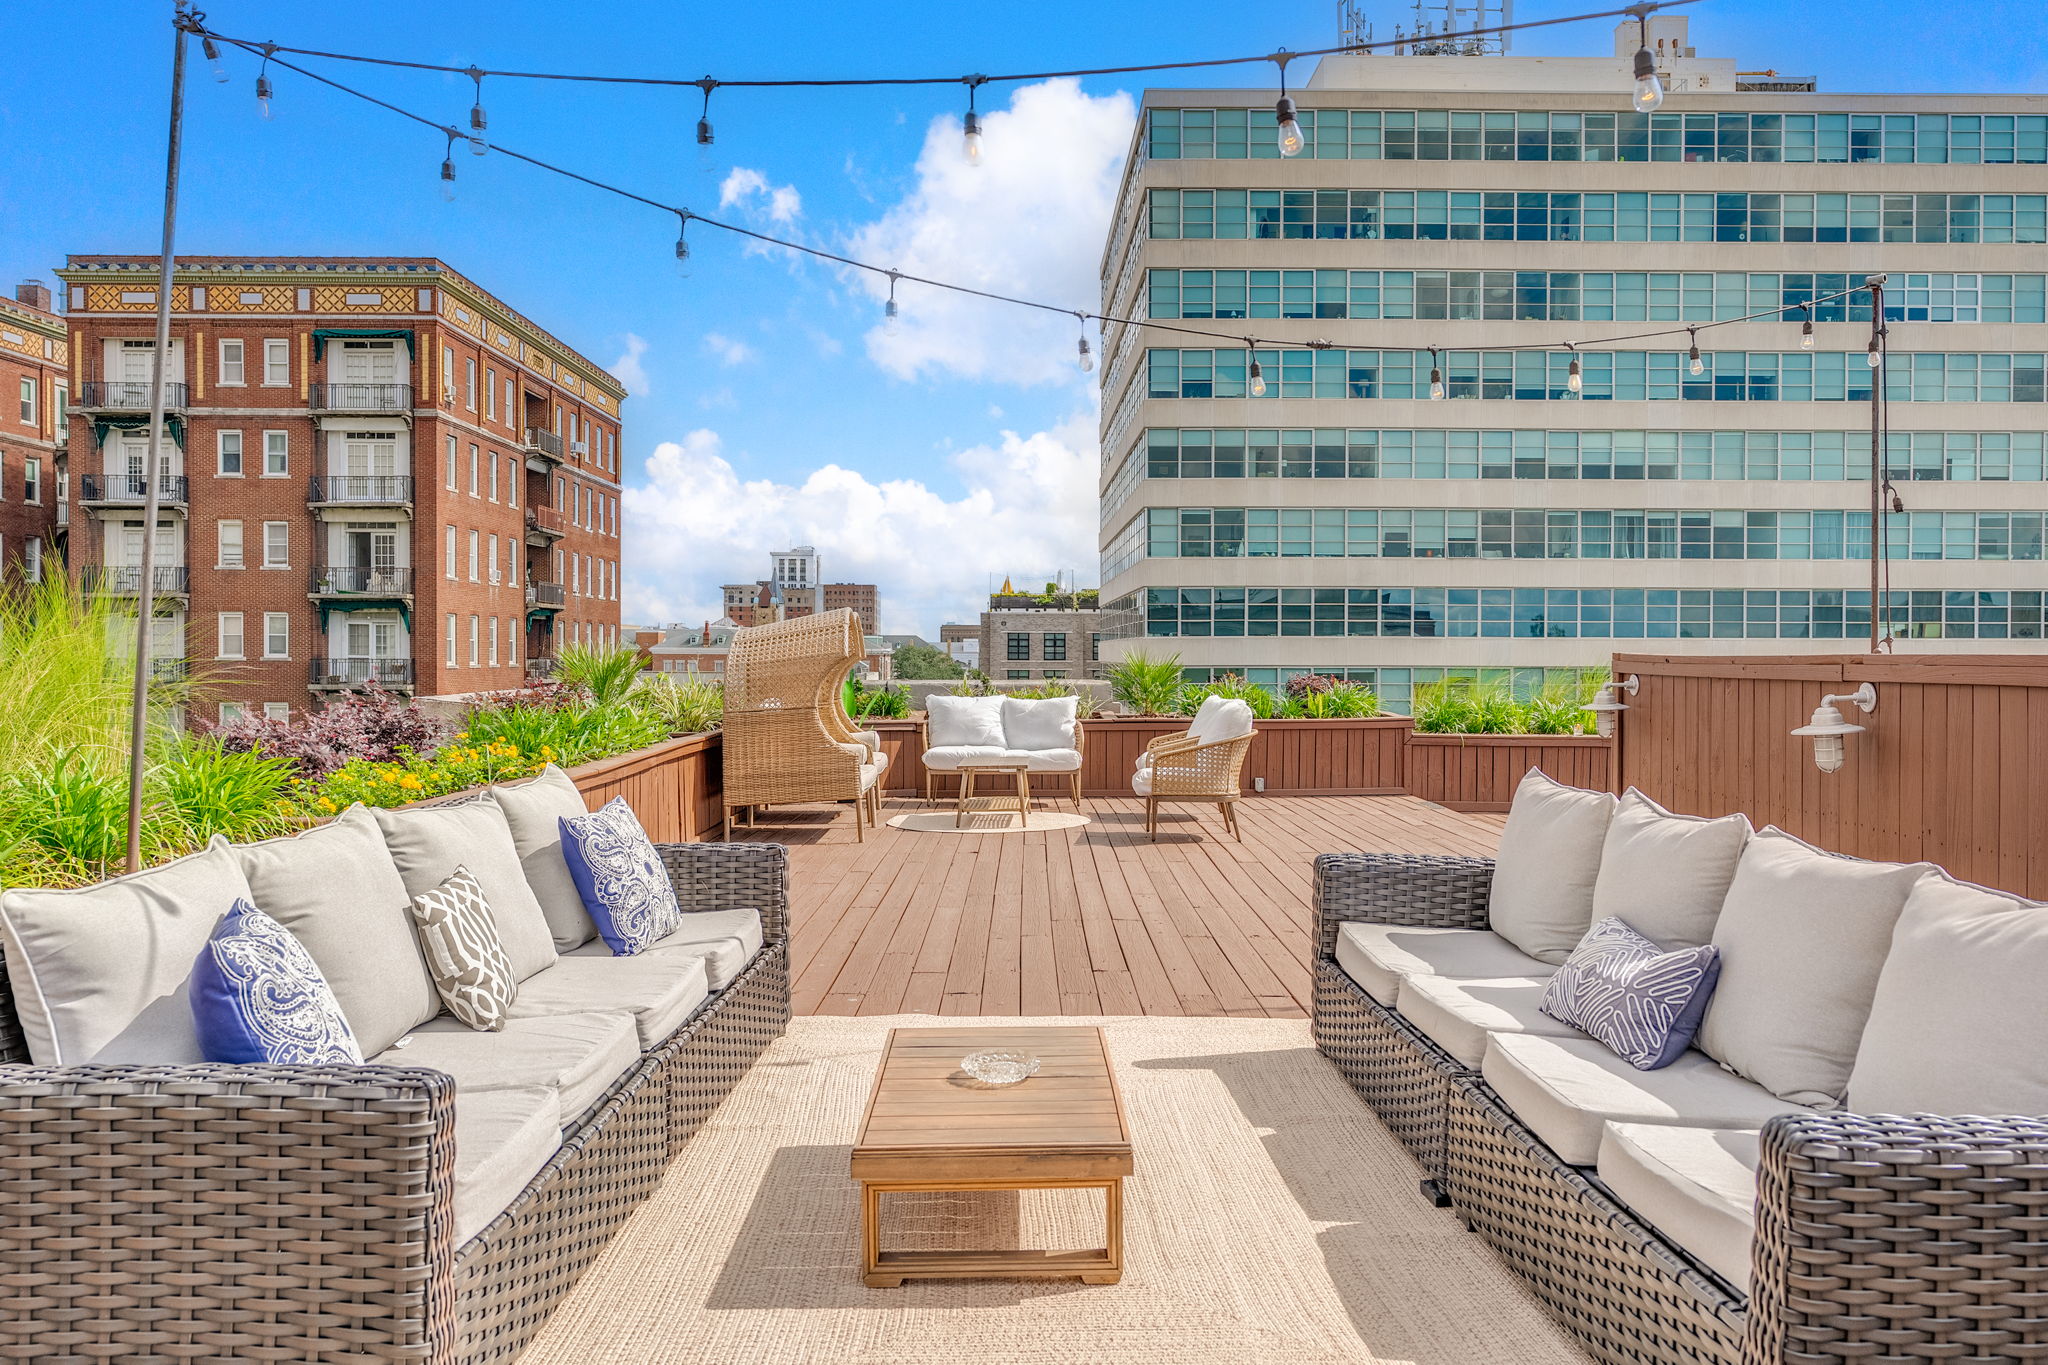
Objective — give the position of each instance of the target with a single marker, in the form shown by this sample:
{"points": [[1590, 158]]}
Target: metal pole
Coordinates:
{"points": [[1877, 453], [145, 598]]}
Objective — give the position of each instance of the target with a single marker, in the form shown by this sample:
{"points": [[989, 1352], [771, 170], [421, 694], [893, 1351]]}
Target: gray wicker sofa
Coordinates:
{"points": [[1872, 1237], [395, 1211]]}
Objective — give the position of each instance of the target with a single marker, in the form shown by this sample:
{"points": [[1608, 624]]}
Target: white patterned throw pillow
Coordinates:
{"points": [[465, 956], [621, 878], [1645, 1004]]}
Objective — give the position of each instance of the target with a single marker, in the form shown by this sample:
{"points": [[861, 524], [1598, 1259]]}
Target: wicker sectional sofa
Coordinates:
{"points": [[432, 1211], [1851, 1237]]}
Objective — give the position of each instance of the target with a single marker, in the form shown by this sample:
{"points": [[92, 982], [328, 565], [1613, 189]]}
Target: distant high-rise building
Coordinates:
{"points": [[794, 588]]}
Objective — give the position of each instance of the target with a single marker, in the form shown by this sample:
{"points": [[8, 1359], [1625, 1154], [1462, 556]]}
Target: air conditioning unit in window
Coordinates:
{"points": [[579, 447]]}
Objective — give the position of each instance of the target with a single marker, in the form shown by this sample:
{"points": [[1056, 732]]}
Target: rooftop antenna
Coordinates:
{"points": [[1353, 29], [1436, 18]]}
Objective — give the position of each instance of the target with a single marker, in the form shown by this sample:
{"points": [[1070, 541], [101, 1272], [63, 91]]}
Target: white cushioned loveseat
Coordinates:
{"points": [[1813, 1180], [1044, 734], [432, 1204]]}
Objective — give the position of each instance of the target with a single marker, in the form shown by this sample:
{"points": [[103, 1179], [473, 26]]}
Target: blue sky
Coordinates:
{"points": [[768, 409]]}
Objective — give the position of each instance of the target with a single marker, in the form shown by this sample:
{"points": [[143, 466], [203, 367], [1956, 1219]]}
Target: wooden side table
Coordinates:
{"points": [[969, 771]]}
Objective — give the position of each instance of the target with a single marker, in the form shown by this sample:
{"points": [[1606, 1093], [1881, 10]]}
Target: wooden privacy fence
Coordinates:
{"points": [[1480, 772], [1952, 766]]}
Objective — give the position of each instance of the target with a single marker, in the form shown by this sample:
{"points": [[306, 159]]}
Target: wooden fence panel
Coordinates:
{"points": [[1952, 767], [673, 788], [1480, 772]]}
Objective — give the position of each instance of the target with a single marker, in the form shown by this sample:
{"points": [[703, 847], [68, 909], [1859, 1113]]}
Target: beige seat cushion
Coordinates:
{"points": [[1803, 936], [1544, 872], [946, 758], [1048, 760], [429, 842], [1697, 1186], [658, 990], [502, 1139], [534, 812], [578, 1056], [1566, 1089], [1459, 1016], [1377, 956], [100, 973], [336, 888], [1666, 875], [726, 939], [1957, 1024]]}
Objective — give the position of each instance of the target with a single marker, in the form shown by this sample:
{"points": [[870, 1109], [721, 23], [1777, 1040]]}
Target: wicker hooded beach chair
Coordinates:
{"points": [[787, 737]]}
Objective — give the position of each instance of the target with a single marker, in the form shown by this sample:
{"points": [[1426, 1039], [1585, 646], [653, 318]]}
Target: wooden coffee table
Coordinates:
{"points": [[970, 770], [931, 1127]]}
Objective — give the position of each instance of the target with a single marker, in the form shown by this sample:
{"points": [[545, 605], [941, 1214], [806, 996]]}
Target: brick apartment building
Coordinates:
{"points": [[374, 470], [793, 588], [34, 400]]}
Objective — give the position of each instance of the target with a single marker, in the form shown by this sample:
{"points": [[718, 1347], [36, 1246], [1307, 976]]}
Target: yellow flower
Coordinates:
{"points": [[411, 783], [326, 805]]}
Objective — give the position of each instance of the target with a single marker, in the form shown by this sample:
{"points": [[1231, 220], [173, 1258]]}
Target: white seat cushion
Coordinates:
{"points": [[658, 990], [1033, 724], [502, 1139], [1378, 956], [578, 1056], [946, 758], [1544, 872], [1697, 1186], [1141, 780], [1567, 1089], [1459, 1016], [951, 721], [1048, 760], [726, 939]]}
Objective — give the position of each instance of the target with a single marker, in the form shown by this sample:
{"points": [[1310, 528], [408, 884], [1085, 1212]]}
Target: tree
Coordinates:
{"points": [[912, 662]]}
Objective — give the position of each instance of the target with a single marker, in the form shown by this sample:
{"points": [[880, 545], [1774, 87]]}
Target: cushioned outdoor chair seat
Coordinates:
{"points": [[1568, 1089], [502, 1139], [657, 989], [578, 1056], [1697, 1186], [726, 940], [1377, 956], [950, 757], [1459, 1016]]}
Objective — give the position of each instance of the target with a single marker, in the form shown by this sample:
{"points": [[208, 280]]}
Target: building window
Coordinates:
{"points": [[494, 642], [1055, 673], [1055, 646], [451, 635], [231, 368], [1020, 644], [448, 471], [490, 394], [230, 635], [448, 375], [228, 537], [60, 405], [276, 454], [474, 456], [1095, 648], [31, 479], [231, 711], [469, 384], [475, 638], [277, 710], [229, 446], [475, 549], [277, 362], [277, 544], [1017, 673], [494, 478], [277, 635], [450, 556], [28, 402], [512, 483], [494, 560], [32, 559]]}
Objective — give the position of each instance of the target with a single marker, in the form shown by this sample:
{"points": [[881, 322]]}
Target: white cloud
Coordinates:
{"points": [[729, 350], [1029, 221], [628, 369], [1028, 509], [745, 186]]}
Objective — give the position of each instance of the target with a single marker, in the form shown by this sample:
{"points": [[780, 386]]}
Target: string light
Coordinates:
{"points": [[1087, 361], [1693, 363], [263, 84], [970, 127], [448, 168], [1649, 91], [707, 85], [1436, 376], [1257, 382], [1572, 378], [1288, 126], [212, 49], [1870, 354], [682, 244], [477, 121], [1806, 330], [889, 314]]}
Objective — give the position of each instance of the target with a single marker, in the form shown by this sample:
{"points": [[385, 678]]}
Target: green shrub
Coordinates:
{"points": [[204, 789], [681, 706], [1084, 702], [67, 819], [1147, 686], [607, 675], [566, 734], [1341, 700], [1263, 703], [875, 703]]}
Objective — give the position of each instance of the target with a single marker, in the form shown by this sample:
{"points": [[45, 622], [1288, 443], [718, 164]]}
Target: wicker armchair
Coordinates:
{"points": [[1206, 764], [784, 721]]}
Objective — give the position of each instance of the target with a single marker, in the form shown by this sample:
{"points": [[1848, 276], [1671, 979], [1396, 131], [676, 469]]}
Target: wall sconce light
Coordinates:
{"points": [[1827, 726], [1607, 704]]}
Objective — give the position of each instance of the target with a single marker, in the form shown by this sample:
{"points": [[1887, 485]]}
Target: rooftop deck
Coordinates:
{"points": [[1088, 921]]}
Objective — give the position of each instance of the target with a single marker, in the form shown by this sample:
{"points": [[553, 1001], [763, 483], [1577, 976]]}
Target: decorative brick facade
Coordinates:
{"points": [[384, 470], [34, 393]]}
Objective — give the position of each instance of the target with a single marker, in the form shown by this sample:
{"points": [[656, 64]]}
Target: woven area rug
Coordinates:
{"points": [[1271, 1219]]}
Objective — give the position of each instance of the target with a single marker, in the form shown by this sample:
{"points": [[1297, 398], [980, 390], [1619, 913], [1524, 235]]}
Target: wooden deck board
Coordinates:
{"points": [[1097, 920]]}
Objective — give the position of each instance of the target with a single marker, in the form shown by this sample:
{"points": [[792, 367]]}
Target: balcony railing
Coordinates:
{"points": [[130, 489], [361, 580], [551, 522], [541, 441], [360, 397], [125, 580], [384, 490], [127, 395], [360, 672], [542, 667], [546, 595], [167, 670]]}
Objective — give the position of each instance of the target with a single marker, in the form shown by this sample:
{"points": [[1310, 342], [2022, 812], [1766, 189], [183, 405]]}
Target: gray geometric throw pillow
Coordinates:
{"points": [[465, 956]]}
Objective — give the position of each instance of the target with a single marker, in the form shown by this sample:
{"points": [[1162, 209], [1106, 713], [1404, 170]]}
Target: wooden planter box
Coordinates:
{"points": [[1480, 772], [673, 787]]}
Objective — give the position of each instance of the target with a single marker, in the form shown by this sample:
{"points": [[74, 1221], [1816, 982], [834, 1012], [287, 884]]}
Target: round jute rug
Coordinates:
{"points": [[987, 822]]}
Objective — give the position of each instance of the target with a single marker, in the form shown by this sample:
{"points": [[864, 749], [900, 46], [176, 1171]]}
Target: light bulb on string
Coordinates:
{"points": [[1806, 331], [263, 81], [1872, 355], [213, 61], [891, 323], [1087, 360], [1572, 379], [1436, 375], [1693, 363], [477, 121], [448, 168], [970, 127], [1288, 129], [704, 137], [1257, 381], [682, 243], [1649, 91]]}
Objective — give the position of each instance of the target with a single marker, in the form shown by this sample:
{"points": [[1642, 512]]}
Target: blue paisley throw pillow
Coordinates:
{"points": [[258, 997], [620, 877], [1645, 1004]]}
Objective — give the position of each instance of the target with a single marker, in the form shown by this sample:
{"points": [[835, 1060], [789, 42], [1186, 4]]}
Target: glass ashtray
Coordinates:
{"points": [[999, 1067]]}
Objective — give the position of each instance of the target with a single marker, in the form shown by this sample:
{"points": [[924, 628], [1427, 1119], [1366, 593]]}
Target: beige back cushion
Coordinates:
{"points": [[1666, 875], [336, 888], [534, 811], [1803, 936], [99, 973], [1958, 1024], [1549, 859], [428, 843]]}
